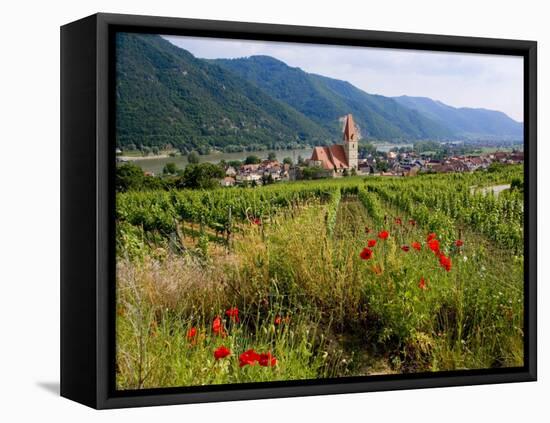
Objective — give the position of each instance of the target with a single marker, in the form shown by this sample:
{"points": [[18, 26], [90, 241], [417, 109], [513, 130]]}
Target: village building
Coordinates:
{"points": [[339, 157]]}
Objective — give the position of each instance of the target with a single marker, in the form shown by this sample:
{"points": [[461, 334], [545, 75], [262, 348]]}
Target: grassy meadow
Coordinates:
{"points": [[305, 280]]}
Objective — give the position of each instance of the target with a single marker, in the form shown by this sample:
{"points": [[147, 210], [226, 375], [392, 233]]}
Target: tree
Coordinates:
{"points": [[128, 177], [202, 175], [170, 169], [272, 156], [252, 160], [235, 163], [365, 149], [353, 172], [192, 158], [287, 160]]}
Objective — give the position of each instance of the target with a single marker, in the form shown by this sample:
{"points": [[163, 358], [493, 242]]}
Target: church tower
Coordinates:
{"points": [[351, 142]]}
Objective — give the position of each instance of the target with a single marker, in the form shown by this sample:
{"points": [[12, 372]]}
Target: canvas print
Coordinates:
{"points": [[290, 212]]}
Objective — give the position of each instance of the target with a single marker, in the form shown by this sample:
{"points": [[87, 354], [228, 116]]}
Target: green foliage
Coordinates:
{"points": [[170, 169], [287, 160], [202, 175], [193, 158], [271, 156], [252, 160], [128, 177]]}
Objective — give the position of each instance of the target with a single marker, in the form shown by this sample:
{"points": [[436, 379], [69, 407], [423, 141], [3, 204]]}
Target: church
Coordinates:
{"points": [[339, 157]]}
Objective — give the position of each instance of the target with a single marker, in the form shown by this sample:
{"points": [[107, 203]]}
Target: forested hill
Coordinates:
{"points": [[167, 96], [324, 100], [465, 121]]}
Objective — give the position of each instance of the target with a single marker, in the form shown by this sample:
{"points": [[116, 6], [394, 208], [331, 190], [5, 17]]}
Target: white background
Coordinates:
{"points": [[29, 209]]}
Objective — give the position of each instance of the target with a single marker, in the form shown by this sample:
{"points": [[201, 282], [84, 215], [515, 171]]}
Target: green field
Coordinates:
{"points": [[205, 277]]}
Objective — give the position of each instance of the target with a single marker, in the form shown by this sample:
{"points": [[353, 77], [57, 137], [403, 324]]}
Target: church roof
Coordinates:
{"points": [[330, 157], [349, 129]]}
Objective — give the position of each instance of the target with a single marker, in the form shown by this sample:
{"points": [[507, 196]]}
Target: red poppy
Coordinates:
{"points": [[267, 360], [412, 222], [191, 333], [221, 352], [416, 245], [422, 283], [445, 262], [217, 326], [383, 234], [366, 254], [233, 314], [371, 243], [431, 236], [459, 243], [405, 248], [249, 357], [278, 320], [398, 221], [256, 221], [433, 244]]}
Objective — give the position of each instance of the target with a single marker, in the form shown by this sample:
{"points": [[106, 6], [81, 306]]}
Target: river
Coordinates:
{"points": [[156, 164]]}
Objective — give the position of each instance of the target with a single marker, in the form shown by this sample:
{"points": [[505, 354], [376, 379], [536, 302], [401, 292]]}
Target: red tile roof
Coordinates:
{"points": [[330, 157], [349, 129]]}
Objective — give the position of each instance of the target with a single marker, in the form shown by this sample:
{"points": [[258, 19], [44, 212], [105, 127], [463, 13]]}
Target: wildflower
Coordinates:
{"points": [[412, 222], [221, 352], [249, 357], [405, 248], [233, 314], [366, 254], [431, 236], [256, 221], [383, 234], [459, 243], [398, 221], [267, 360], [445, 262], [278, 320], [416, 245], [217, 326], [191, 333], [371, 243], [422, 283], [433, 245]]}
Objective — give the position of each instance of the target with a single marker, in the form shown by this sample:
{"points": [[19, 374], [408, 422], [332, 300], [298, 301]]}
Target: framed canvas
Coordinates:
{"points": [[259, 211]]}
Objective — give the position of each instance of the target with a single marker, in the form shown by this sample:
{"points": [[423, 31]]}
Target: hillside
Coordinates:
{"points": [[324, 100], [464, 121], [167, 96]]}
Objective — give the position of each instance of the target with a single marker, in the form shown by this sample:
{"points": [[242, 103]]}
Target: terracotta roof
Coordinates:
{"points": [[330, 157], [349, 129]]}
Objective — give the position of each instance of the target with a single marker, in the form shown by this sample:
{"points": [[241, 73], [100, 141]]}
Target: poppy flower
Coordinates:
{"points": [[431, 236], [405, 248], [221, 352], [433, 244], [371, 243], [422, 283], [459, 243], [412, 222], [233, 314], [416, 245], [191, 333], [217, 326], [398, 221], [383, 234], [267, 360], [256, 221], [278, 320], [249, 357], [366, 254], [445, 262]]}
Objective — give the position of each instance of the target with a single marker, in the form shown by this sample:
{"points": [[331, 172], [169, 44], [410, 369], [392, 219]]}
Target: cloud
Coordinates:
{"points": [[458, 79]]}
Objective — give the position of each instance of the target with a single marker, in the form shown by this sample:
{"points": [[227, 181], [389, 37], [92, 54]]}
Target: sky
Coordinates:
{"points": [[457, 79]]}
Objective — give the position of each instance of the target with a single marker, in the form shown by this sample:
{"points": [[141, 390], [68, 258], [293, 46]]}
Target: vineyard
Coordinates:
{"points": [[337, 277]]}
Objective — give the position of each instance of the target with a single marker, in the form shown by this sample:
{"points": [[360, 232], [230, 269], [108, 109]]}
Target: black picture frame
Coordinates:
{"points": [[87, 209]]}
